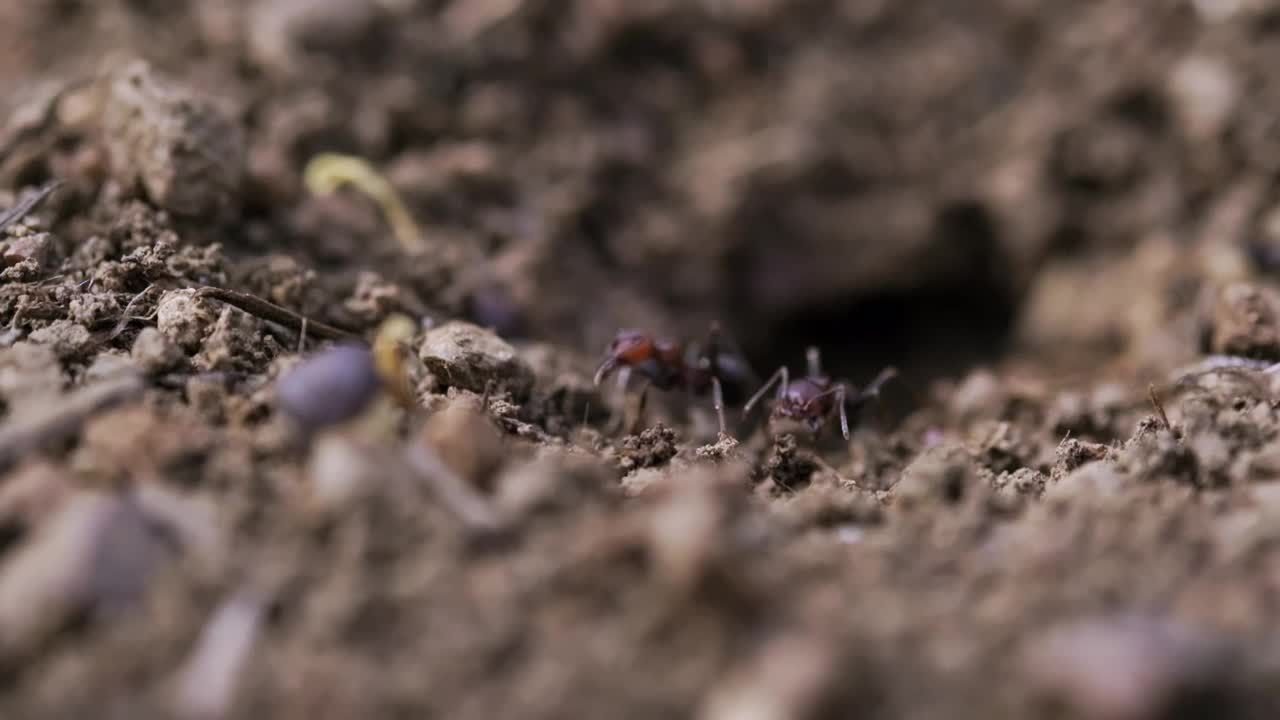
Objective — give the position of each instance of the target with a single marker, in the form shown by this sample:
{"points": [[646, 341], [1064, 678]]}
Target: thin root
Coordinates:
{"points": [[260, 308]]}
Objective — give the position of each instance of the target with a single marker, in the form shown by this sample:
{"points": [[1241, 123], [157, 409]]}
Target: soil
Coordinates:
{"points": [[236, 484]]}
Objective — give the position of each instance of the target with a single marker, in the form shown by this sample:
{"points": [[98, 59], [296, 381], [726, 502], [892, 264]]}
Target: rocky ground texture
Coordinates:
{"points": [[1060, 221]]}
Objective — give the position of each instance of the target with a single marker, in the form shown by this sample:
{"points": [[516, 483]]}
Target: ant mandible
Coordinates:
{"points": [[814, 398], [666, 364]]}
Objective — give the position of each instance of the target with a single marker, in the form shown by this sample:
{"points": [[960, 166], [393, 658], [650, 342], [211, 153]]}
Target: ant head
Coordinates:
{"points": [[791, 407], [629, 347]]}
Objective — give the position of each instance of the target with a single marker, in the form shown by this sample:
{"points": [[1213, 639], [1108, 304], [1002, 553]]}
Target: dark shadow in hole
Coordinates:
{"points": [[939, 330]]}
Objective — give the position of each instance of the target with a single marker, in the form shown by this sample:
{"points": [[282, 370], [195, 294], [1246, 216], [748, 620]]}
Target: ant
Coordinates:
{"points": [[814, 398], [667, 364]]}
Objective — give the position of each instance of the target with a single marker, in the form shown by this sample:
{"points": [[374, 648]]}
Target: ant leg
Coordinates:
{"points": [[841, 394], [712, 352], [724, 345], [779, 376], [717, 398], [637, 423], [624, 377], [814, 360]]}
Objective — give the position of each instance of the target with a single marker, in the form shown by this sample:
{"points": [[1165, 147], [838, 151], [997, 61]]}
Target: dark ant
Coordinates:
{"points": [[667, 364], [814, 398]]}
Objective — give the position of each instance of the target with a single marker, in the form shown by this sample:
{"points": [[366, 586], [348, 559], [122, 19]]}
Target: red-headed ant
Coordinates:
{"points": [[814, 398], [667, 364]]}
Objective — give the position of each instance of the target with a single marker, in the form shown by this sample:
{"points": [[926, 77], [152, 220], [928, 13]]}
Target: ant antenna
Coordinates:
{"points": [[814, 359], [779, 376], [871, 391], [606, 368]]}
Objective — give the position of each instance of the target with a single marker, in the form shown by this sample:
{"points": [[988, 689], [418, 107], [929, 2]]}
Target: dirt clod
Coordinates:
{"points": [[179, 147], [185, 318], [653, 447], [787, 465], [1246, 321], [32, 247], [465, 356]]}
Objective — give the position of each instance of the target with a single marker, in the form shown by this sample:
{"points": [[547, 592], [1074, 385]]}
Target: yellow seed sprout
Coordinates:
{"points": [[327, 172], [389, 355]]}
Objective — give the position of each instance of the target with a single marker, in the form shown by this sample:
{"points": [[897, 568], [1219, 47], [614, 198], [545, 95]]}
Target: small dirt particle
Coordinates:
{"points": [[155, 352], [340, 471], [1023, 482], [944, 473], [1161, 457], [94, 310], [651, 448], [723, 448], [29, 372], [110, 365], [787, 466], [234, 343], [1091, 481], [686, 530], [1130, 668], [1246, 321], [555, 479], [185, 318], [1072, 453], [206, 393], [827, 505], [31, 495], [280, 32], [67, 339], [467, 441]]}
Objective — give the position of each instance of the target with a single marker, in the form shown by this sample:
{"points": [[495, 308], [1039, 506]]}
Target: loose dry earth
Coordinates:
{"points": [[1060, 220]]}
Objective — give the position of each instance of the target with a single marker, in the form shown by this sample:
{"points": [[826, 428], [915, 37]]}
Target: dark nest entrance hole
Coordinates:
{"points": [[939, 330]]}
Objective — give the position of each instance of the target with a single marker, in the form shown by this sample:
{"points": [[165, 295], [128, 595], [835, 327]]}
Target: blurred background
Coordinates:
{"points": [[924, 183]]}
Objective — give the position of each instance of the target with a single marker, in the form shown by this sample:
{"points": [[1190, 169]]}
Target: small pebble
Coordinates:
{"points": [[96, 554], [35, 247], [467, 441], [207, 683], [463, 355], [340, 472]]}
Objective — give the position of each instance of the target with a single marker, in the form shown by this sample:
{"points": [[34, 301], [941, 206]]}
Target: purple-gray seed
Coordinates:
{"points": [[329, 388]]}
